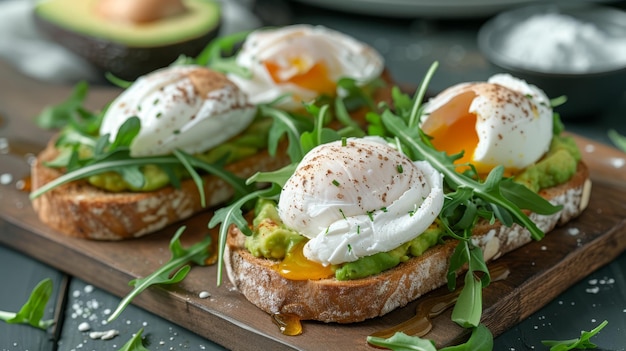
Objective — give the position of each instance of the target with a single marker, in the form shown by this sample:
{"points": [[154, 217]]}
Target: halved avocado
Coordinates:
{"points": [[128, 49]]}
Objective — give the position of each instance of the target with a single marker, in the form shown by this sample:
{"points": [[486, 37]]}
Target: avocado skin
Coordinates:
{"points": [[123, 61]]}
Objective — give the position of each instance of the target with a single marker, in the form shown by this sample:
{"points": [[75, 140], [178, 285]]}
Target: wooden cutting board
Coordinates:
{"points": [[539, 271]]}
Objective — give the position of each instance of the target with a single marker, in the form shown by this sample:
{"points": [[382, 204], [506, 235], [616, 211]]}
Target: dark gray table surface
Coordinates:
{"points": [[409, 47]]}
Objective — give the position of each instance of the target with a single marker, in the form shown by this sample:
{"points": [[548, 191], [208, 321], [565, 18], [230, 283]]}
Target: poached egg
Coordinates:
{"points": [[301, 62], [358, 199], [191, 108], [504, 121]]}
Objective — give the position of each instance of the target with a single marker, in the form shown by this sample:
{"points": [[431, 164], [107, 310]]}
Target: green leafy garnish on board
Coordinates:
{"points": [[135, 343], [481, 339], [618, 139], [172, 272], [34, 309], [580, 343]]}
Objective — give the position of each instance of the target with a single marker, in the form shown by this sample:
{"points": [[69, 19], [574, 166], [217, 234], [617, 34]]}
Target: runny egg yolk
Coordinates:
{"points": [[296, 266], [303, 73], [453, 130]]}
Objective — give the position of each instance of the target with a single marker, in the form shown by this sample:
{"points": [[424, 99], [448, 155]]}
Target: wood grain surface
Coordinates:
{"points": [[539, 270]]}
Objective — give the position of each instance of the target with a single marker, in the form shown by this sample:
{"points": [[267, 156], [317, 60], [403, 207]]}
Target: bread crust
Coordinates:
{"points": [[330, 300], [80, 210]]}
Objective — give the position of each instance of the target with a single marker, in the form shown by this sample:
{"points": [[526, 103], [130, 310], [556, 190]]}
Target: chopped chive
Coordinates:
{"points": [[399, 168], [384, 209], [177, 131], [335, 182], [358, 229], [370, 214], [158, 115], [156, 101], [349, 248], [344, 141], [342, 214]]}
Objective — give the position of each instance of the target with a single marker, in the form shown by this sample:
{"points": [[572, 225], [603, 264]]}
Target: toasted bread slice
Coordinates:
{"points": [[330, 300], [80, 210]]}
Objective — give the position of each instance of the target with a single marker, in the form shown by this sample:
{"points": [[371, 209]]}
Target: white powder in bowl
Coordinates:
{"points": [[555, 42]]}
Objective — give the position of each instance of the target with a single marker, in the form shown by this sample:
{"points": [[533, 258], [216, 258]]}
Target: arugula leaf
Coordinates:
{"points": [[319, 135], [233, 215], [481, 339], [469, 306], [618, 139], [284, 124], [33, 310], [135, 343], [172, 272], [213, 55], [580, 343], [71, 115], [402, 342], [59, 115]]}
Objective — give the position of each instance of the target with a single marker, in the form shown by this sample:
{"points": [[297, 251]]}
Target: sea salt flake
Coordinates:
{"points": [[561, 43], [104, 335], [573, 231], [6, 178], [593, 290], [204, 294], [84, 326]]}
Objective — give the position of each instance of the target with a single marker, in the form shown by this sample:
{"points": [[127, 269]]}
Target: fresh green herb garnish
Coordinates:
{"points": [[70, 111], [219, 55], [233, 215], [171, 272], [580, 343], [481, 339], [117, 81], [618, 139], [135, 343], [33, 310]]}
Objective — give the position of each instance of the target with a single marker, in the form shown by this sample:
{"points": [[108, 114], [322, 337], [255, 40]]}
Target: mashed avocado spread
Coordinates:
{"points": [[273, 240], [248, 143]]}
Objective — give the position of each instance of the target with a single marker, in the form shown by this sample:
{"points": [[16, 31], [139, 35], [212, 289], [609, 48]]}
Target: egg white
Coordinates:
{"points": [[173, 115], [359, 199], [514, 120], [343, 56]]}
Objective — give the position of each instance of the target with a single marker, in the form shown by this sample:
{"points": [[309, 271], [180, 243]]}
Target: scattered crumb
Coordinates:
{"points": [[204, 294]]}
